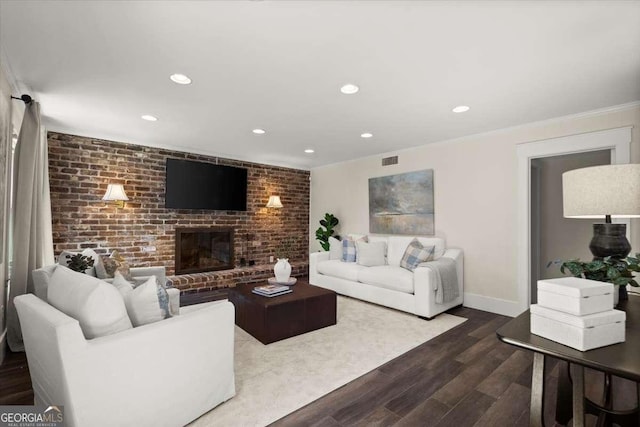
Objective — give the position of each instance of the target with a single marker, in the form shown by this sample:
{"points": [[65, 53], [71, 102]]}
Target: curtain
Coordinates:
{"points": [[32, 234]]}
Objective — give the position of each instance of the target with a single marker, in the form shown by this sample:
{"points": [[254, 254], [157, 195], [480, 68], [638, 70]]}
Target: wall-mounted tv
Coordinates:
{"points": [[198, 185]]}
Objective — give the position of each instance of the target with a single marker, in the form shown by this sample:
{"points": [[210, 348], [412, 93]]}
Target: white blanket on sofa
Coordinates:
{"points": [[446, 278]]}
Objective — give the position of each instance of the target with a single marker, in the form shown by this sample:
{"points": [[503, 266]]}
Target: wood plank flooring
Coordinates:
{"points": [[464, 377]]}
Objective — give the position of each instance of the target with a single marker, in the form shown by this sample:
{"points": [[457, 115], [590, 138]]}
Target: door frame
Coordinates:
{"points": [[617, 140]]}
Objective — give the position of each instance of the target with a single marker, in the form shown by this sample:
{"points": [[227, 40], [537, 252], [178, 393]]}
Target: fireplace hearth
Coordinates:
{"points": [[203, 249]]}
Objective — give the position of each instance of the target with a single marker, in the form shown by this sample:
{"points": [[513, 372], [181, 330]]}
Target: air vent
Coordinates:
{"points": [[390, 161]]}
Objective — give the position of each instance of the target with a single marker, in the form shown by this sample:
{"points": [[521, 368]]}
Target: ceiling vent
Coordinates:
{"points": [[387, 161]]}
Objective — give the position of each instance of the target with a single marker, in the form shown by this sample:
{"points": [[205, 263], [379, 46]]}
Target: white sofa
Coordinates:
{"points": [[389, 285], [166, 373]]}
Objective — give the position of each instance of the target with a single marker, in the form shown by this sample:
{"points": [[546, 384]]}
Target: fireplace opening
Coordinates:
{"points": [[203, 249]]}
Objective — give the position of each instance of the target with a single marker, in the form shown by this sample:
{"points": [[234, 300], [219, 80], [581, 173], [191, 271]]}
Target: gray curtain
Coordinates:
{"points": [[32, 235]]}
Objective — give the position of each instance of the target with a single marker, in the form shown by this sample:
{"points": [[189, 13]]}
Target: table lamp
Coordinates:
{"points": [[610, 191]]}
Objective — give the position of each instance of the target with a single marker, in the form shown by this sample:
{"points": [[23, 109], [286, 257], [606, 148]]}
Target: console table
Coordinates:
{"points": [[622, 360]]}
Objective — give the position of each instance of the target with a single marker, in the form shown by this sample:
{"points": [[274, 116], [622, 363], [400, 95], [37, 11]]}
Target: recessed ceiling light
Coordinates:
{"points": [[349, 89], [366, 135], [181, 79], [149, 118], [259, 131], [309, 151], [460, 109]]}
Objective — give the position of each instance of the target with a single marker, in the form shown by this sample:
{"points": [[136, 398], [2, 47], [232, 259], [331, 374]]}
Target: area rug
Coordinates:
{"points": [[277, 379]]}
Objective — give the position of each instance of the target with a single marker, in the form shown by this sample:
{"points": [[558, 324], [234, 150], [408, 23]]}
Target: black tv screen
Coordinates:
{"points": [[197, 185]]}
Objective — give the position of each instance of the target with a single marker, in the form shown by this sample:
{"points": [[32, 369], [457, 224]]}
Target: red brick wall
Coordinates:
{"points": [[80, 169]]}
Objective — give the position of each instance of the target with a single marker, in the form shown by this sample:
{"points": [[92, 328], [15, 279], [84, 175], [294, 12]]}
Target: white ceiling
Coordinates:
{"points": [[97, 66]]}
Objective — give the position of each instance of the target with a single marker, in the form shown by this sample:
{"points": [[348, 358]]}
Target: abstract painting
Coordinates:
{"points": [[402, 204]]}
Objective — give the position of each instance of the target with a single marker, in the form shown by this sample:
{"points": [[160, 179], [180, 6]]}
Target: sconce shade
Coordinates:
{"points": [[115, 192], [274, 202], [598, 191]]}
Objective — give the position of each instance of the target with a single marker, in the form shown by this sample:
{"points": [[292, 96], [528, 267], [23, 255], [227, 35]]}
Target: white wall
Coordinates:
{"points": [[475, 196]]}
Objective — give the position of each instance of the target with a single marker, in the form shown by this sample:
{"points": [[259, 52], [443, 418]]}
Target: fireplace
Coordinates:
{"points": [[203, 249]]}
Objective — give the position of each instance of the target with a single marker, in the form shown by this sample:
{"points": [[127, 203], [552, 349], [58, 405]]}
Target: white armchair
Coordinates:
{"points": [[166, 373]]}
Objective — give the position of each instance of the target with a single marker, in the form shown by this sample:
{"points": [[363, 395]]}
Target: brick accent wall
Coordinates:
{"points": [[80, 169]]}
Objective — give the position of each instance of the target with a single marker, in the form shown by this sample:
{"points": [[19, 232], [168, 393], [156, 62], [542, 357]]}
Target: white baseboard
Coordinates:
{"points": [[3, 345], [493, 305]]}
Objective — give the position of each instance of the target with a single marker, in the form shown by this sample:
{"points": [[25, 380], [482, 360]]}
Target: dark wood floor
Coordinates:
{"points": [[464, 377]]}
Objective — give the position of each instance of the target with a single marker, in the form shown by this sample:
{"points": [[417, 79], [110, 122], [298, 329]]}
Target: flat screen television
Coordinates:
{"points": [[198, 185]]}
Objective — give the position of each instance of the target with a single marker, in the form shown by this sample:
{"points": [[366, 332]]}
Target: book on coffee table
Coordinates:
{"points": [[271, 289], [275, 294]]}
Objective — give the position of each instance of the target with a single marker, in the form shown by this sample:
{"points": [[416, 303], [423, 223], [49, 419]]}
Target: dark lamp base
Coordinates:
{"points": [[610, 240]]}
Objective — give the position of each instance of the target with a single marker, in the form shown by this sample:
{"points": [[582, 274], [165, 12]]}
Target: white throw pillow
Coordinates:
{"points": [[335, 248], [96, 305], [371, 254], [146, 303], [98, 265]]}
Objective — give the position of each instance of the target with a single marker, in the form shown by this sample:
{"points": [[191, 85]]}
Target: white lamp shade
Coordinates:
{"points": [[602, 190], [115, 192], [274, 202]]}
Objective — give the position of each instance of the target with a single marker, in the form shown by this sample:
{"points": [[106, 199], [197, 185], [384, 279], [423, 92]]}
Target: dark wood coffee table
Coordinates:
{"points": [[306, 309]]}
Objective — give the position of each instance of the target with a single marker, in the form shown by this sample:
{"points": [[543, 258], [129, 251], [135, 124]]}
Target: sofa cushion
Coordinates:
{"points": [[96, 305], [371, 254], [335, 248], [387, 276], [342, 270], [146, 303], [398, 245]]}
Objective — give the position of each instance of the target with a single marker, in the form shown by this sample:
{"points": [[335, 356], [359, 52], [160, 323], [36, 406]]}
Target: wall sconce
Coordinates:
{"points": [[274, 202], [115, 194]]}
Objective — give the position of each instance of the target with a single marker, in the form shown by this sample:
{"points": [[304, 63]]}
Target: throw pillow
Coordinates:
{"points": [[415, 254], [91, 271], [371, 254], [348, 250], [115, 262], [96, 305], [146, 303], [335, 248]]}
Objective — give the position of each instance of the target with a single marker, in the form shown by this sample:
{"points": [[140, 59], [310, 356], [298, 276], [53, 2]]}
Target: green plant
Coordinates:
{"points": [[329, 222], [612, 270], [79, 262]]}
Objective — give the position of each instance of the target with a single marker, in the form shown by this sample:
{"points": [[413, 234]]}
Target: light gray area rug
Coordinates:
{"points": [[276, 379]]}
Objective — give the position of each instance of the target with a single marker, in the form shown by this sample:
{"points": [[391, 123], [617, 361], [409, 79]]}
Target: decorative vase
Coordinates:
{"points": [[616, 295], [282, 270]]}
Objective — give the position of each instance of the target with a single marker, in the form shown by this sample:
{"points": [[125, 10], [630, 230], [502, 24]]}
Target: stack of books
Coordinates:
{"points": [[271, 290]]}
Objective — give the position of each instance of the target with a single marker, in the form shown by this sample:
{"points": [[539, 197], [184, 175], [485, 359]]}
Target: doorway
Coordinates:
{"points": [[616, 141], [554, 237]]}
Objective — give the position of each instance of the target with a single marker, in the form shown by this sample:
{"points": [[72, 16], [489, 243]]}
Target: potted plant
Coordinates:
{"points": [[609, 269], [329, 222]]}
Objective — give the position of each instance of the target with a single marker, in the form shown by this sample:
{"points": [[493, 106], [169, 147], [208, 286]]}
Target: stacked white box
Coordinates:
{"points": [[577, 313], [575, 296]]}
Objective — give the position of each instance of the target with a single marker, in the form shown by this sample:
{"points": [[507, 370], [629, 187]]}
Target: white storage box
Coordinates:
{"points": [[575, 296], [579, 332]]}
